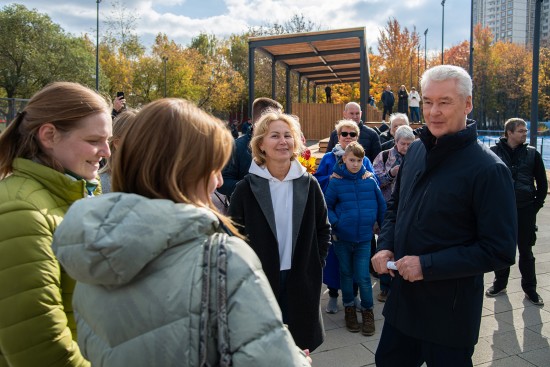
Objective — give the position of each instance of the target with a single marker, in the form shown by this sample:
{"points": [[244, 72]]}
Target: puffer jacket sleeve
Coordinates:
{"points": [[33, 324], [256, 332]]}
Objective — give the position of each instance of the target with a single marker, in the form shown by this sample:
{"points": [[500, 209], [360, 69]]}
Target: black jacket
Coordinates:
{"points": [[527, 167], [251, 208], [238, 165], [388, 99], [368, 138], [453, 206]]}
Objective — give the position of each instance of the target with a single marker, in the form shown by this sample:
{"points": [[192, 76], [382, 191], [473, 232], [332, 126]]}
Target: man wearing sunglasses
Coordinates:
{"points": [[368, 138]]}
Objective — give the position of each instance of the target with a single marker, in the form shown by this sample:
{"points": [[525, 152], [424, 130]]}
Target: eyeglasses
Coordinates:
{"points": [[345, 134]]}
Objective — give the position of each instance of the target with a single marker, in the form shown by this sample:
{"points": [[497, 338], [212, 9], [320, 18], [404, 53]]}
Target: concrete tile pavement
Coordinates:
{"points": [[513, 333]]}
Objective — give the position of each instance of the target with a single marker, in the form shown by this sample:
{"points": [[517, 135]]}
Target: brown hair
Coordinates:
{"points": [[166, 161], [356, 149], [121, 124], [262, 105], [260, 131], [512, 124], [64, 105]]}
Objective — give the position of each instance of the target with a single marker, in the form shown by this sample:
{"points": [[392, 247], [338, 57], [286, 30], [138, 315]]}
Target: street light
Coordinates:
{"points": [[425, 49], [97, 49], [165, 59], [442, 29]]}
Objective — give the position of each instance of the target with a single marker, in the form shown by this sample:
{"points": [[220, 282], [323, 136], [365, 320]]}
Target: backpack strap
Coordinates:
{"points": [[385, 155]]}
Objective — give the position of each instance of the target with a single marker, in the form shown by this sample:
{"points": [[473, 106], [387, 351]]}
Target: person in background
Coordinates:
{"points": [[348, 132], [240, 161], [328, 92], [403, 100], [368, 137], [388, 100], [386, 167], [354, 206], [119, 105], [49, 158], [387, 138], [136, 254], [121, 124], [414, 105], [451, 218], [281, 210], [527, 168]]}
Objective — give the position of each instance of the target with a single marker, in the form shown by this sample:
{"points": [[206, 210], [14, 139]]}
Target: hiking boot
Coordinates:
{"points": [[382, 296], [494, 291], [367, 328], [534, 298], [332, 305], [351, 320]]}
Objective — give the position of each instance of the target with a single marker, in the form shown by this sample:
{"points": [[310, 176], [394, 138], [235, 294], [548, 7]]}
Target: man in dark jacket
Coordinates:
{"points": [[240, 161], [527, 168], [451, 218], [368, 138], [388, 100]]}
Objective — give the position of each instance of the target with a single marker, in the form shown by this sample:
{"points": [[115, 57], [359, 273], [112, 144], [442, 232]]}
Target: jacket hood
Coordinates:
{"points": [[341, 170], [296, 171], [108, 240]]}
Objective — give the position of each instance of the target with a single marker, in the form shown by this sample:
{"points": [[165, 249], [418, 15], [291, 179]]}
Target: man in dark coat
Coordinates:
{"points": [[451, 218], [368, 138], [527, 168], [388, 100], [239, 164]]}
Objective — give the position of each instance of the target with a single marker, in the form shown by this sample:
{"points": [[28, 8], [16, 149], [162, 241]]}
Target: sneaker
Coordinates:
{"points": [[534, 298], [332, 305], [351, 320], [493, 291], [367, 328], [382, 296]]}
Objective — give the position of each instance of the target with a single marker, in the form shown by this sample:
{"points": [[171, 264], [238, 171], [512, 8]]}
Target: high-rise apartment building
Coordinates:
{"points": [[512, 20]]}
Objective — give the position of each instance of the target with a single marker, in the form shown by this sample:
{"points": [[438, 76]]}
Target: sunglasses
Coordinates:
{"points": [[345, 134]]}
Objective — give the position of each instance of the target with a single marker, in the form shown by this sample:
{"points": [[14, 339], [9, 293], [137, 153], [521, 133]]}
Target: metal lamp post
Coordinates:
{"points": [[425, 49], [165, 59], [97, 49], [442, 29]]}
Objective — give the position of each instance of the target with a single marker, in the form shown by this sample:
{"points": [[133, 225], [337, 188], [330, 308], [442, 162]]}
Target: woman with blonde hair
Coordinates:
{"points": [[284, 217], [49, 158], [142, 256], [121, 123]]}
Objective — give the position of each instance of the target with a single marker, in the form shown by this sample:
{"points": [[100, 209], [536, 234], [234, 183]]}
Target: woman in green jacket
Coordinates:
{"points": [[49, 158]]}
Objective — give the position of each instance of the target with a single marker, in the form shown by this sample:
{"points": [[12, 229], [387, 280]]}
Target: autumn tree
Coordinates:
{"points": [[398, 49]]}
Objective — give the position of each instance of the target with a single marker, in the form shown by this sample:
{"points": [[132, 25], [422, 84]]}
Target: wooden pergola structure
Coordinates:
{"points": [[325, 57]]}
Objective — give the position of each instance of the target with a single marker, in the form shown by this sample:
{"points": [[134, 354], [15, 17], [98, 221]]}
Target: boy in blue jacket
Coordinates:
{"points": [[354, 204]]}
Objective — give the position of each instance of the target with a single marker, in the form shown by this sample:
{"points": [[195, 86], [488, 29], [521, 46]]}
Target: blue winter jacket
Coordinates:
{"points": [[327, 164], [354, 205]]}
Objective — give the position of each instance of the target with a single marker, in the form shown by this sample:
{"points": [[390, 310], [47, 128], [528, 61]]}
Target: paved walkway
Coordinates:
{"points": [[514, 332]]}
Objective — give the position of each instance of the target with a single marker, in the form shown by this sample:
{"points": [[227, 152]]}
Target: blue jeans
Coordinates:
{"points": [[354, 259], [415, 114]]}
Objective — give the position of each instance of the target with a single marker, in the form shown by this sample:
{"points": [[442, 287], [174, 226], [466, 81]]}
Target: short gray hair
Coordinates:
{"points": [[398, 116], [346, 107], [404, 132], [441, 73]]}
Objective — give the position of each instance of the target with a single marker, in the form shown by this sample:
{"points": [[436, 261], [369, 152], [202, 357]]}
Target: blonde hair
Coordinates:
{"points": [[166, 161], [260, 131], [356, 149], [347, 123], [62, 104], [121, 124]]}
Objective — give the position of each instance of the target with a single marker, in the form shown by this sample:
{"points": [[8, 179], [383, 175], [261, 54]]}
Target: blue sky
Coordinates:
{"points": [[183, 19]]}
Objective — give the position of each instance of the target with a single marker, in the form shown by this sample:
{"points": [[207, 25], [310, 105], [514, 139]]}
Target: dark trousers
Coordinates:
{"points": [[283, 296], [526, 240], [387, 110], [396, 349]]}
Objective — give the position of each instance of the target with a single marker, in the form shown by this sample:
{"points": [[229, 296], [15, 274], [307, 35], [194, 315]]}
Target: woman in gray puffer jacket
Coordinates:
{"points": [[137, 255]]}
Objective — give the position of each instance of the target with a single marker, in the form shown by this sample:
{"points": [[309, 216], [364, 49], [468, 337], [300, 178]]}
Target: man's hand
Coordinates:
{"points": [[118, 103], [394, 170], [409, 268], [380, 262]]}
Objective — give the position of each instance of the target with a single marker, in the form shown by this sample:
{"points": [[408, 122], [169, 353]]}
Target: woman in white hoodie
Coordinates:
{"points": [[284, 217], [137, 256]]}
